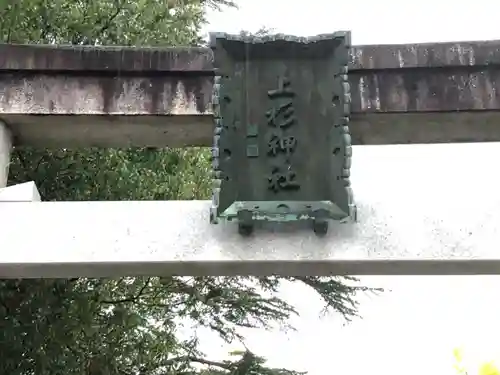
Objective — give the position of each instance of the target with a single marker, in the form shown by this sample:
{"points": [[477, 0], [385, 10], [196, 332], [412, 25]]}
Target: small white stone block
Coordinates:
{"points": [[25, 192], [5, 150]]}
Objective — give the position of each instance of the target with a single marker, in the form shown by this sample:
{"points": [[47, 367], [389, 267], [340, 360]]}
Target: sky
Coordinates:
{"points": [[411, 328], [371, 22], [414, 326]]}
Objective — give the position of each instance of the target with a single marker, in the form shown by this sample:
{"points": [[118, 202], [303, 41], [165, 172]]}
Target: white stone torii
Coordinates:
{"points": [[423, 209]]}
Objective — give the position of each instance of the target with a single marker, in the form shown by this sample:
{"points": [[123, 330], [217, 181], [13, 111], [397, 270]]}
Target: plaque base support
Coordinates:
{"points": [[317, 213]]}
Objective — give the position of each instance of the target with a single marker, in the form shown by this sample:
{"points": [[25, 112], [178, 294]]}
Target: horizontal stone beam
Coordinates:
{"points": [[242, 267], [418, 205], [113, 96]]}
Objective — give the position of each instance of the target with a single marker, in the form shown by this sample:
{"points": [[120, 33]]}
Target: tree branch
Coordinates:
{"points": [[119, 8], [129, 299], [189, 358]]}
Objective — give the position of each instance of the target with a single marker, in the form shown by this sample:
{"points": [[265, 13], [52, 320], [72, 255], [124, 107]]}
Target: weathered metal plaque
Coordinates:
{"points": [[282, 148]]}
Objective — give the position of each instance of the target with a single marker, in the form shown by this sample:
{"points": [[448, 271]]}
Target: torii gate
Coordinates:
{"points": [[423, 209]]}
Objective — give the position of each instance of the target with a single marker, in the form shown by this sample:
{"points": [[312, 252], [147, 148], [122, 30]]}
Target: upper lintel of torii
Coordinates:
{"points": [[119, 96]]}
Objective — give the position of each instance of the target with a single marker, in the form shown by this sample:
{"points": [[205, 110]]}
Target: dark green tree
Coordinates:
{"points": [[129, 326]]}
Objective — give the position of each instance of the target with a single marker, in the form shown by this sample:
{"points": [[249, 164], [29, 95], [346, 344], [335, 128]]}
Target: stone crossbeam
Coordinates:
{"points": [[423, 209], [67, 96]]}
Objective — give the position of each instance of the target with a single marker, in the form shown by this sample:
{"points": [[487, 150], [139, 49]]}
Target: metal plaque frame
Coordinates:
{"points": [[238, 155]]}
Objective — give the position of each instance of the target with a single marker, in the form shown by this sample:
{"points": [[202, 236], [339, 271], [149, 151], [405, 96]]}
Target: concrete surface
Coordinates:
{"points": [[421, 202]]}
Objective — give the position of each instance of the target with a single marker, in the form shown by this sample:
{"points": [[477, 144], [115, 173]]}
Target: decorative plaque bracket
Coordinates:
{"points": [[282, 147]]}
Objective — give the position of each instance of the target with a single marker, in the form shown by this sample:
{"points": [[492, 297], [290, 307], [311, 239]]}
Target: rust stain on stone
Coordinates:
{"points": [[189, 95], [412, 90], [455, 88], [108, 91], [46, 94], [153, 89], [431, 89]]}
